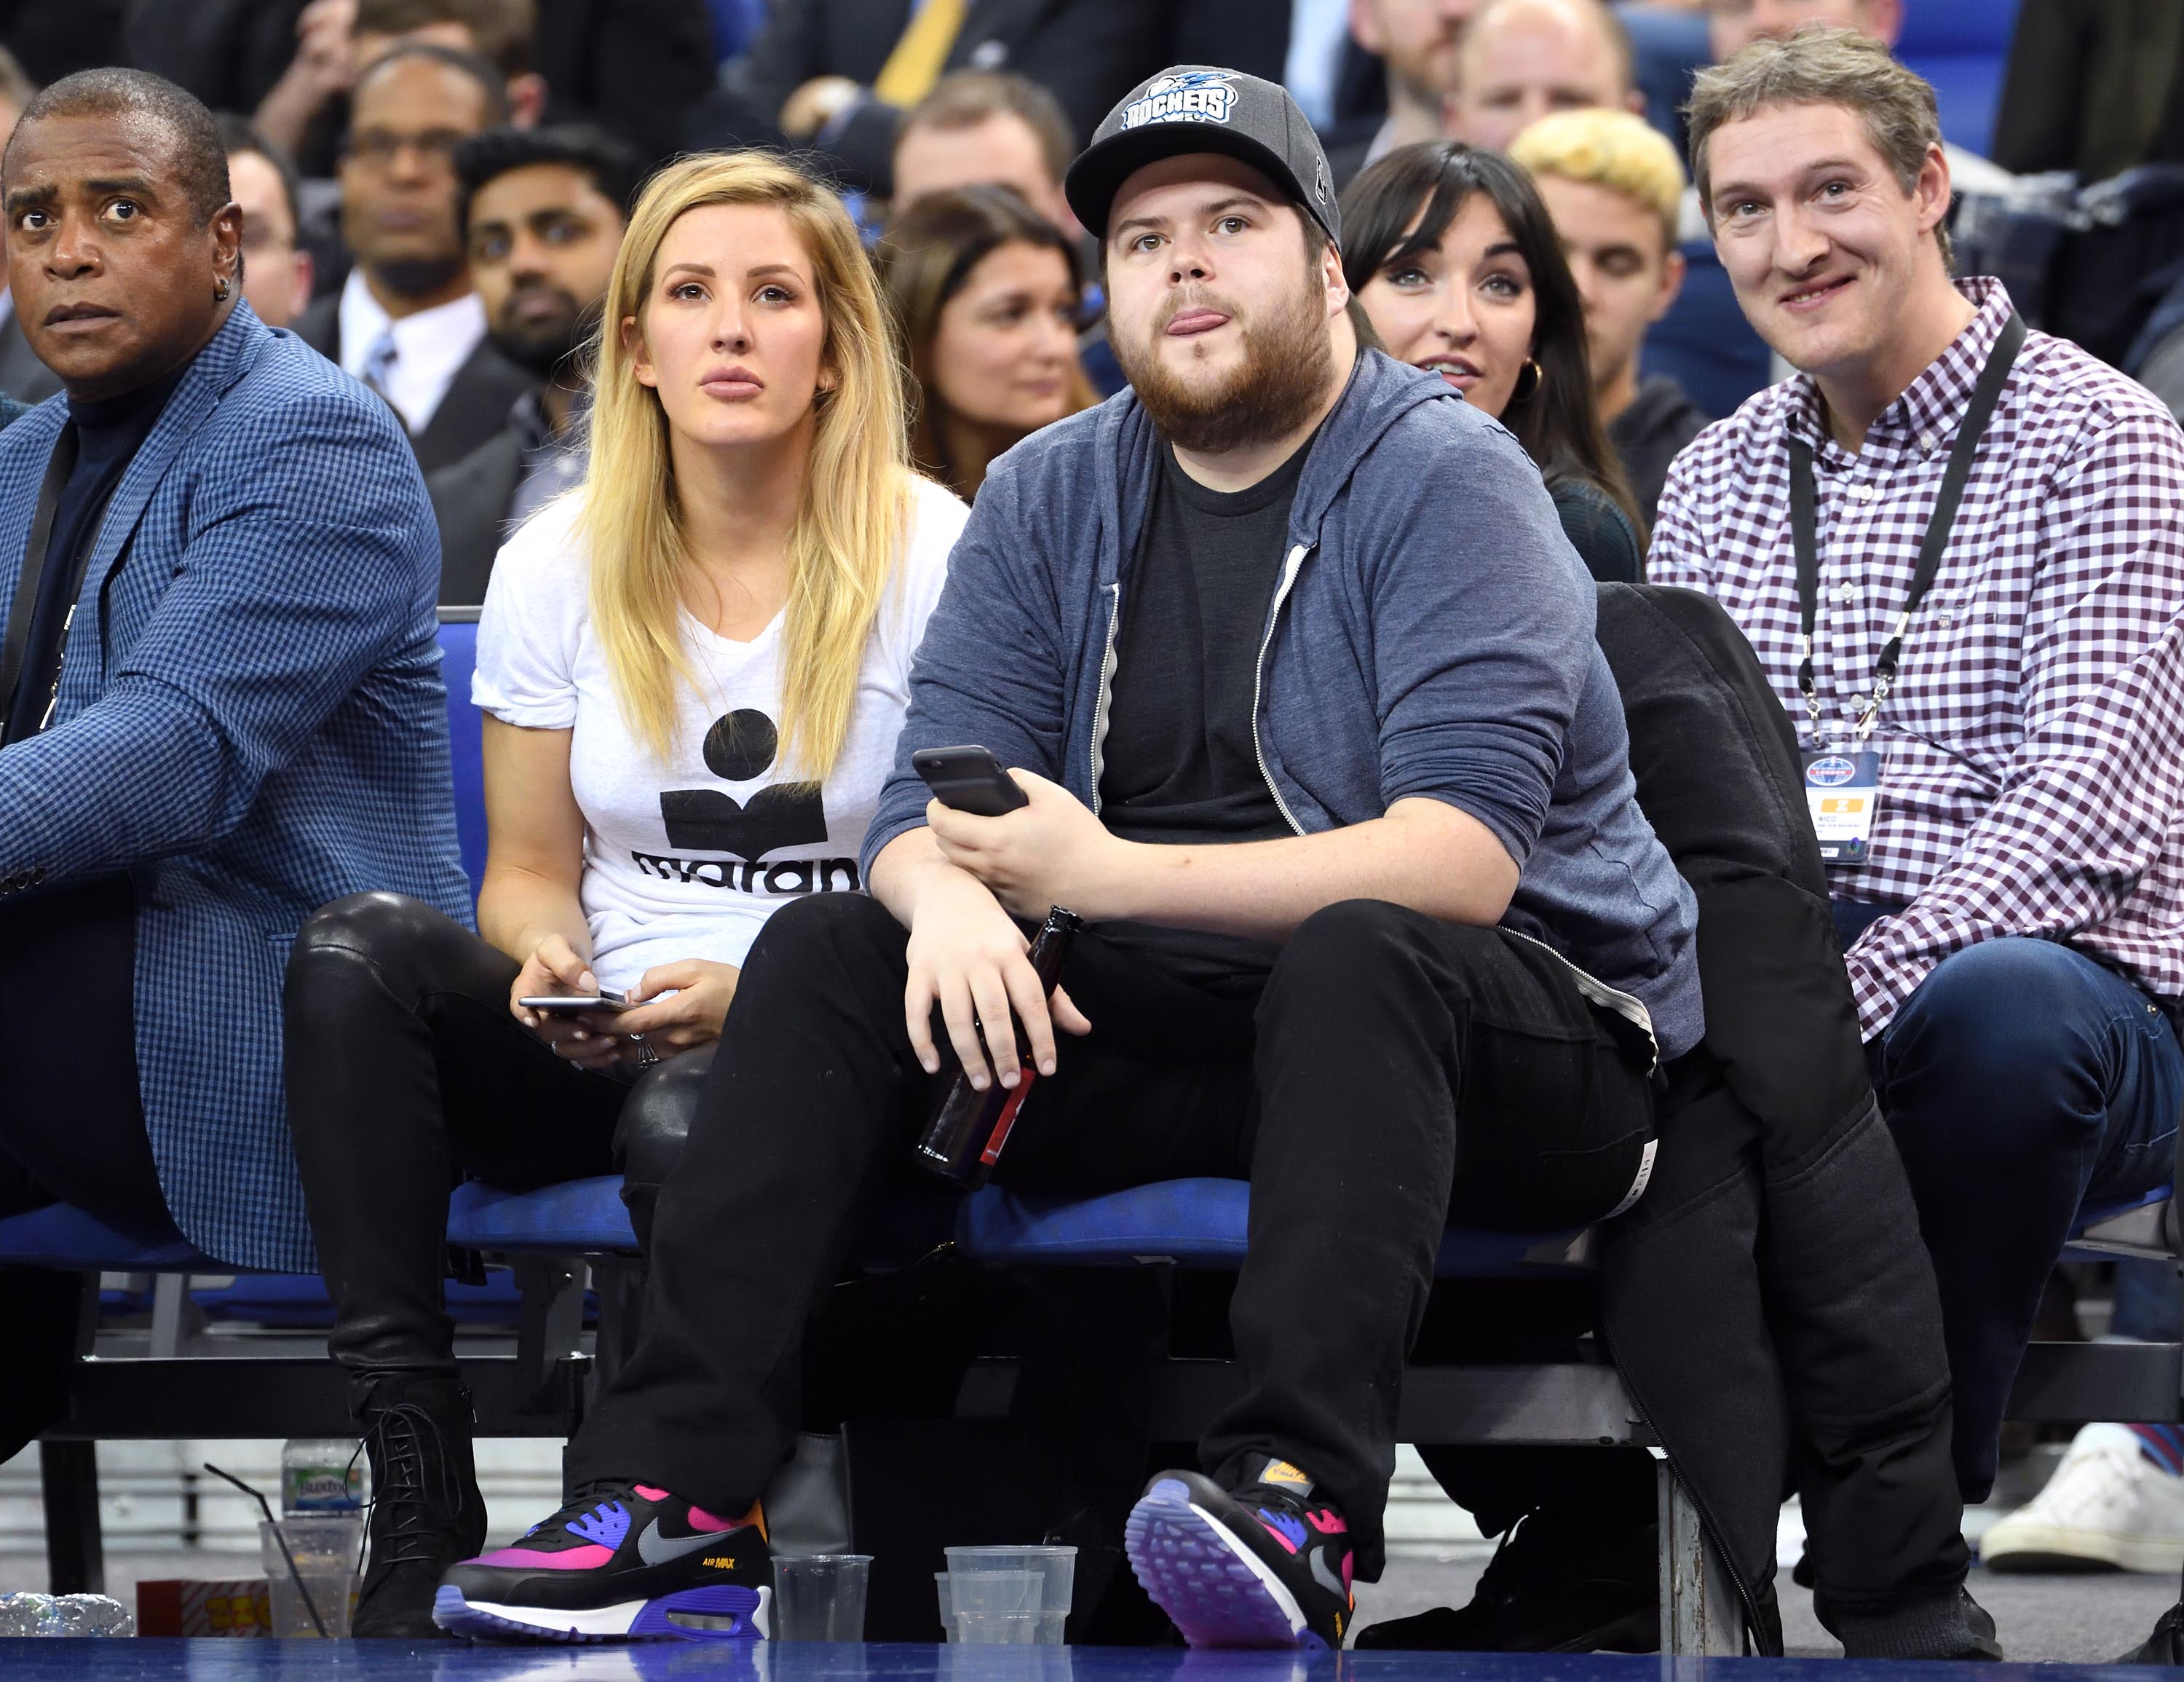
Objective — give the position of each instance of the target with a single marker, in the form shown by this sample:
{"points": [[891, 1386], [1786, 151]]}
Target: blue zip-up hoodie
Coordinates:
{"points": [[1431, 635]]}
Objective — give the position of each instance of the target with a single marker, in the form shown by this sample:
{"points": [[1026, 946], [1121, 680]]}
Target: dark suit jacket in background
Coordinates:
{"points": [[632, 66], [1089, 53], [470, 500], [228, 52], [54, 38], [2093, 85], [477, 401]]}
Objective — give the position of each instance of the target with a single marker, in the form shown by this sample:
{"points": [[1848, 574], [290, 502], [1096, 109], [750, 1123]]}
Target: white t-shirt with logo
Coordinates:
{"points": [[688, 859]]}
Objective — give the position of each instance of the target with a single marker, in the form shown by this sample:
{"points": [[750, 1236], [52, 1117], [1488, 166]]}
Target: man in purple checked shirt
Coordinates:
{"points": [[1958, 548]]}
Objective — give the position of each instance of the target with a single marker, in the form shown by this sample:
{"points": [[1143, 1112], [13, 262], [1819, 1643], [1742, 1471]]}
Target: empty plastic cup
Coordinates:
{"points": [[312, 1585], [979, 1592], [821, 1596], [997, 1628], [1056, 1567]]}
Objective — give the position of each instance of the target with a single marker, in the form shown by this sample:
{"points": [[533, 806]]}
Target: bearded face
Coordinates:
{"points": [[1207, 404], [1220, 304]]}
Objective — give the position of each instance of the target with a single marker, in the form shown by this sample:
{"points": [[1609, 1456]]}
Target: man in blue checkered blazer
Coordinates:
{"points": [[220, 689]]}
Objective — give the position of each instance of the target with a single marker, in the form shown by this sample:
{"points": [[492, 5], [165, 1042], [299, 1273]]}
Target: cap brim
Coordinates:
{"points": [[1101, 169]]}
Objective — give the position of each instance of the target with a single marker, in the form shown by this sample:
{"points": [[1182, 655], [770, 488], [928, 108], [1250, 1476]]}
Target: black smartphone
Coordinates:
{"points": [[969, 779], [605, 1000]]}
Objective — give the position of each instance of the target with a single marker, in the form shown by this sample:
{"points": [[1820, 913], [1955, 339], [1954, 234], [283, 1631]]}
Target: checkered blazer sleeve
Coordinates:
{"points": [[278, 607]]}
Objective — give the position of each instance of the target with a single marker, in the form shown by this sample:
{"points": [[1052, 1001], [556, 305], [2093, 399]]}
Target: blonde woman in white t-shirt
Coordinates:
{"points": [[693, 670]]}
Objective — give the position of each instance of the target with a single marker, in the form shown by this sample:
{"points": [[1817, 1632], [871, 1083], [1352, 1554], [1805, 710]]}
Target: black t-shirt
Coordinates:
{"points": [[1181, 767], [108, 435]]}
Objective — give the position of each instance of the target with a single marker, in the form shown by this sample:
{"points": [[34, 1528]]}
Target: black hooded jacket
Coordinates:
{"points": [[1770, 1302]]}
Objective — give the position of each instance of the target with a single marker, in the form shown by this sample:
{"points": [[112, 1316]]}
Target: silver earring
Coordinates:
{"points": [[219, 290]]}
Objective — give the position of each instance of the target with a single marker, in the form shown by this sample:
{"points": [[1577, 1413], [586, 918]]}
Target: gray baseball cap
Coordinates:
{"points": [[1202, 107]]}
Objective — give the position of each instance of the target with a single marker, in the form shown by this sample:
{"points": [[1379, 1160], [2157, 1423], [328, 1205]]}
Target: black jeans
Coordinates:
{"points": [[1392, 1072], [71, 1116], [406, 1073]]}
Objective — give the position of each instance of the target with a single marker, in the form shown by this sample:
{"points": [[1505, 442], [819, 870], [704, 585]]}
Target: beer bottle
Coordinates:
{"points": [[964, 1139]]}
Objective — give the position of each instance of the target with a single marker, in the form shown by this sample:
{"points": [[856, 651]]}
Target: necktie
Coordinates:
{"points": [[379, 362], [914, 64]]}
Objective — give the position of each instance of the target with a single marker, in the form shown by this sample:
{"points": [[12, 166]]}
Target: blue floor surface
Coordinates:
{"points": [[261, 1661]]}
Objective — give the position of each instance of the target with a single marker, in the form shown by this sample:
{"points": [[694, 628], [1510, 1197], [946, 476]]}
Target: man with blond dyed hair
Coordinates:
{"points": [[1957, 547], [1614, 187]]}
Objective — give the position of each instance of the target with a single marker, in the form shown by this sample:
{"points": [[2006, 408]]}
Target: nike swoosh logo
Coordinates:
{"points": [[654, 1549], [1320, 1574]]}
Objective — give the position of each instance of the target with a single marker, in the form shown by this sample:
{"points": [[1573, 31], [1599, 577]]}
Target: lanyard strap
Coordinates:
{"points": [[1804, 529]]}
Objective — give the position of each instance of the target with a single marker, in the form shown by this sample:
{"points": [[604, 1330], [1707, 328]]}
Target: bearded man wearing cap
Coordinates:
{"points": [[1296, 674]]}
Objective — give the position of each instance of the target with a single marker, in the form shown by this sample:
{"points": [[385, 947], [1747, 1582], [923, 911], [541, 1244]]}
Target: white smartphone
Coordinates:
{"points": [[556, 1005]]}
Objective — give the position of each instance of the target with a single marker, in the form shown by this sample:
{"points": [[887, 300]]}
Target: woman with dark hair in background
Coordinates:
{"points": [[1456, 260], [985, 294]]}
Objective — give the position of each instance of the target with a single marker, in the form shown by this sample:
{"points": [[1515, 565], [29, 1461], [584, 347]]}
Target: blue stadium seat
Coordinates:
{"points": [[579, 1218], [2094, 1213], [65, 1238], [458, 660], [1704, 342], [1196, 1223], [1962, 46]]}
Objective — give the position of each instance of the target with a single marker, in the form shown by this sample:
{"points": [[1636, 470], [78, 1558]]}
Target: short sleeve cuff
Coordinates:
{"points": [[550, 712]]}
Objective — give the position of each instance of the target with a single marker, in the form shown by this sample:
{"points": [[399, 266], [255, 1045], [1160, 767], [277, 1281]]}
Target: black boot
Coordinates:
{"points": [[426, 1512], [1559, 1583], [2166, 1645]]}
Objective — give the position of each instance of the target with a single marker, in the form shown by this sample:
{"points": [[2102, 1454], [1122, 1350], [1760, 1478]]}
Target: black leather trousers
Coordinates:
{"points": [[406, 1074]]}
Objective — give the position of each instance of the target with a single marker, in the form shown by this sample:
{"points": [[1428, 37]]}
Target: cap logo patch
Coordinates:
{"points": [[1192, 97]]}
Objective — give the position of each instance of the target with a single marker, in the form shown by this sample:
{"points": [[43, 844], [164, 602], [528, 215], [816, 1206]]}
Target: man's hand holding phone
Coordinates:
{"points": [[554, 970]]}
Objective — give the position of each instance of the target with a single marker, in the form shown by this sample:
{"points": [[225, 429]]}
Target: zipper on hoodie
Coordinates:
{"points": [[1114, 594], [1289, 568]]}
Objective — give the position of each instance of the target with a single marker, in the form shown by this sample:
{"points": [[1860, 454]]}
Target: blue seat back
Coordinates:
{"points": [[1962, 46], [458, 660], [1704, 342]]}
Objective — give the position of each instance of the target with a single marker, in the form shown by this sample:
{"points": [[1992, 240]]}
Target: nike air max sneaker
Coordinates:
{"points": [[620, 1564], [1261, 1566]]}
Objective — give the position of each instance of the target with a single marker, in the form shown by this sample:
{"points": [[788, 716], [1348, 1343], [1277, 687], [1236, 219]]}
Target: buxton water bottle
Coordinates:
{"points": [[964, 1139]]}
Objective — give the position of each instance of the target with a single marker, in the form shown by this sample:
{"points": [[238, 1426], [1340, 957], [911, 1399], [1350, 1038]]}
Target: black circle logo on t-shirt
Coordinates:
{"points": [[741, 745]]}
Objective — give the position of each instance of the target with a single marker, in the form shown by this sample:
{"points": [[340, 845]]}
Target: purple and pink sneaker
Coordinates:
{"points": [[621, 1563], [1262, 1565]]}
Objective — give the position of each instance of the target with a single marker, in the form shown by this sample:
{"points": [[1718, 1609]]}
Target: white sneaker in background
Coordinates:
{"points": [[2108, 1508]]}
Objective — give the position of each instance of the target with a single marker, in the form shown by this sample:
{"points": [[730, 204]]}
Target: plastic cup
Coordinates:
{"points": [[1058, 1571], [976, 1593], [821, 1596], [947, 1606], [324, 1548], [997, 1628]]}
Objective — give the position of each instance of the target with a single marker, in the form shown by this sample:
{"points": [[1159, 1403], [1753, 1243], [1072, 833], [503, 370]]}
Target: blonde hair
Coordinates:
{"points": [[856, 490], [1819, 65], [1613, 149]]}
